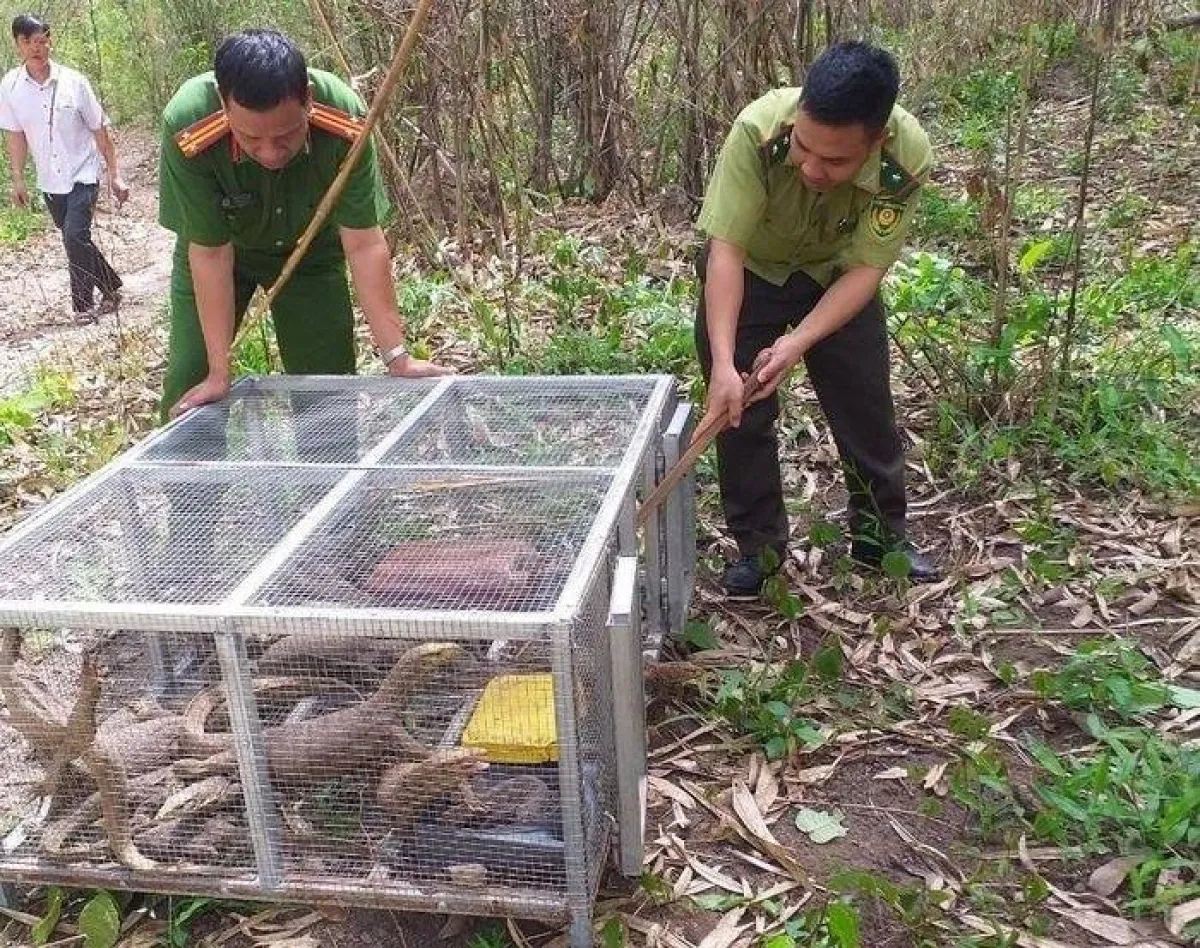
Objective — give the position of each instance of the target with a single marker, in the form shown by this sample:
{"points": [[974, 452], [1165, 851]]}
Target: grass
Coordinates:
{"points": [[19, 224], [1130, 792]]}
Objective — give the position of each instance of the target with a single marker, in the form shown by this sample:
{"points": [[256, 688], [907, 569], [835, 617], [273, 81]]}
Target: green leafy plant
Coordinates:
{"points": [[493, 937], [765, 704], [21, 412], [44, 929], [834, 924], [918, 908], [1107, 677], [100, 921], [980, 783]]}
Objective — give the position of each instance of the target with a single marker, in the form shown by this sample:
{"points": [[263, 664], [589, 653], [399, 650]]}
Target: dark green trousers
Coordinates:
{"points": [[314, 323], [850, 372]]}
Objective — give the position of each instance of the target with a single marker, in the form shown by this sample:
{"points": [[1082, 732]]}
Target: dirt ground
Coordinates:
{"points": [[35, 302]]}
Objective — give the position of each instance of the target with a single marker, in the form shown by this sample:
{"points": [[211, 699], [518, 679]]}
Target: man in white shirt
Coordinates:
{"points": [[51, 112]]}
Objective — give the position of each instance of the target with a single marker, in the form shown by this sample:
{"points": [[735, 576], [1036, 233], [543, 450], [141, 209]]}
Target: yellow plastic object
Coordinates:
{"points": [[514, 721]]}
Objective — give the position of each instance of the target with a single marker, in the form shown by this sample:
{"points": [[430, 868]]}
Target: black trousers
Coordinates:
{"points": [[72, 214], [850, 372]]}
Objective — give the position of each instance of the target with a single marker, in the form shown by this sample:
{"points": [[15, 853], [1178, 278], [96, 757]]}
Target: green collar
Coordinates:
{"points": [[867, 178]]}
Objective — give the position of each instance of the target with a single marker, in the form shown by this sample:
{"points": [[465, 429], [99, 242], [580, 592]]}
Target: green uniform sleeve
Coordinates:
{"points": [[364, 202], [736, 199], [189, 196], [879, 235]]}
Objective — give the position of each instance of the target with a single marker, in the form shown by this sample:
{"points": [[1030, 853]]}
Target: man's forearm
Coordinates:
{"points": [[724, 285], [371, 268], [844, 300], [212, 279], [107, 150], [18, 153]]}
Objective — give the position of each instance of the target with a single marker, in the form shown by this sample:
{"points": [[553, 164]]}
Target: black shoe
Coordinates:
{"points": [[921, 569], [744, 578]]}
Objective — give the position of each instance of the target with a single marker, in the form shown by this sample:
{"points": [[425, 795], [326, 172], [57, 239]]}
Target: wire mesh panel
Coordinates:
{"points": [[535, 422], [304, 423], [395, 763], [453, 540], [160, 535], [103, 770]]}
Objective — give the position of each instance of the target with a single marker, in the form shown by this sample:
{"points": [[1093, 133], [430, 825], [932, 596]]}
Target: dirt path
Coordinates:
{"points": [[35, 308]]}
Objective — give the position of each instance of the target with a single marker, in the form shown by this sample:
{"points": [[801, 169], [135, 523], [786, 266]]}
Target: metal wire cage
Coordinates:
{"points": [[369, 641]]}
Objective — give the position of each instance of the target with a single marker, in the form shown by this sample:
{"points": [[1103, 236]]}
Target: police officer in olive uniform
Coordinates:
{"points": [[248, 152], [806, 210]]}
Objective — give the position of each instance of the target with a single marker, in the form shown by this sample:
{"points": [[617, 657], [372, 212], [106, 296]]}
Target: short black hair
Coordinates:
{"points": [[24, 25], [852, 83], [258, 69]]}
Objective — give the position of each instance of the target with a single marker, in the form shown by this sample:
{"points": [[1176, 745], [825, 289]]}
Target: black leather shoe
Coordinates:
{"points": [[744, 578], [921, 569]]}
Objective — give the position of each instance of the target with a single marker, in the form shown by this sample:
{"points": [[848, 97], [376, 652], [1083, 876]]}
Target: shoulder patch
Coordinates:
{"points": [[885, 215], [894, 180], [335, 121], [775, 149], [202, 135]]}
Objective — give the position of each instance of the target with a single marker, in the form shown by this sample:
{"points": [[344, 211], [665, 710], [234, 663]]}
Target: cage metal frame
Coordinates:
{"points": [[651, 580]]}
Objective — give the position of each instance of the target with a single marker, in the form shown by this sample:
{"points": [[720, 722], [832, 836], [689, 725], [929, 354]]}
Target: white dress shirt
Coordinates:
{"points": [[59, 118]]}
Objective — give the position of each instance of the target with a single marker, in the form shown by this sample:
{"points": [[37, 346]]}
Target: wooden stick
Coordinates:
{"points": [[706, 431], [378, 104]]}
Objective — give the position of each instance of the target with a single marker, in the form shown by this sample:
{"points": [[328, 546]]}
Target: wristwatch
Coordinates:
{"points": [[391, 355]]}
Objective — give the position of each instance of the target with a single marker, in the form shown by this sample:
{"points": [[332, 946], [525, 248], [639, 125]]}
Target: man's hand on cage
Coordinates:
{"points": [[406, 367], [212, 389]]}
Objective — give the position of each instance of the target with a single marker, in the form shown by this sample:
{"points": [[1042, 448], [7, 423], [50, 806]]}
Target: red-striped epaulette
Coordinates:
{"points": [[335, 121], [202, 135]]}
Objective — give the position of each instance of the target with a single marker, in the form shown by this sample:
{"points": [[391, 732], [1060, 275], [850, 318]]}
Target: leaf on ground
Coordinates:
{"points": [[1112, 928], [746, 807], [815, 775], [934, 779], [1109, 877], [1181, 916], [820, 827], [1145, 604], [1185, 698], [100, 921], [727, 931]]}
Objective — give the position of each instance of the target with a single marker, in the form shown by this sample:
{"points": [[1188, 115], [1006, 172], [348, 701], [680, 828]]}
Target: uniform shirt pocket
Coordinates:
{"points": [[242, 211]]}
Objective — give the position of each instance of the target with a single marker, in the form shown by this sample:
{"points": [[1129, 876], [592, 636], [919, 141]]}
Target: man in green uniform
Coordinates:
{"points": [[248, 152], [806, 210]]}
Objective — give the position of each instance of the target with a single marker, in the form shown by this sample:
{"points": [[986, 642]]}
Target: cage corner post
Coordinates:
{"points": [[629, 716], [678, 523], [578, 896], [251, 752]]}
